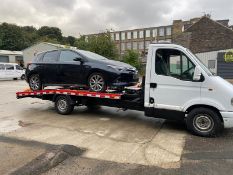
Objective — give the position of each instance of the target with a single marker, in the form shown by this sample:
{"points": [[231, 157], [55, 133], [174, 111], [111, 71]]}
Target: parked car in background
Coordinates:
{"points": [[11, 71], [68, 67]]}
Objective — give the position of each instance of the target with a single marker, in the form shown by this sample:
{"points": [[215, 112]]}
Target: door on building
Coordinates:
{"points": [[4, 59]]}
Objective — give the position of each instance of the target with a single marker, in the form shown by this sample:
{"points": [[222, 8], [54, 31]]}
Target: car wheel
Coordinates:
{"points": [[63, 105], [204, 122], [96, 82], [22, 77], [35, 82]]}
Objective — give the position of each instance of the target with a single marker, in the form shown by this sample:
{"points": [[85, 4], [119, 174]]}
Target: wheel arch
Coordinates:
{"points": [[96, 71], [189, 109]]}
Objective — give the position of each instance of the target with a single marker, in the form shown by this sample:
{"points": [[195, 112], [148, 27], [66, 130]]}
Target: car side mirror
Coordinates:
{"points": [[78, 59], [197, 74]]}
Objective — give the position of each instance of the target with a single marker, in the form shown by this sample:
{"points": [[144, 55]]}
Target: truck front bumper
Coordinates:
{"points": [[227, 119]]}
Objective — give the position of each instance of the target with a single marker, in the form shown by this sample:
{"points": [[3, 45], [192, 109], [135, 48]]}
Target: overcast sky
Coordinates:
{"points": [[76, 17]]}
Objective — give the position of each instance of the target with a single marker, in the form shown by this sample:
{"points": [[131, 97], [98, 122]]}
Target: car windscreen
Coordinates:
{"points": [[91, 55]]}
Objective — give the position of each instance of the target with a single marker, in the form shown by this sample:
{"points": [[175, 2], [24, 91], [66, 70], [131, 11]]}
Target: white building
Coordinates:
{"points": [[216, 63], [8, 56], [30, 52]]}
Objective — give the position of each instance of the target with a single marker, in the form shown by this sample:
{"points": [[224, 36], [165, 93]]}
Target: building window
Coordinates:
{"points": [[141, 34], [147, 43], [168, 31], [128, 46], [135, 34], [141, 45], [117, 36], [161, 31], [122, 46], [123, 36], [147, 33], [154, 33], [129, 35], [211, 64], [135, 46]]}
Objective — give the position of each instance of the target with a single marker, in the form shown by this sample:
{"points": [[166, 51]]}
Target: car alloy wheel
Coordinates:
{"points": [[34, 82], [96, 83]]}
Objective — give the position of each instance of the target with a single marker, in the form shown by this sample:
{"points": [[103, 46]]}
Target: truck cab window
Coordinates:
{"points": [[174, 63]]}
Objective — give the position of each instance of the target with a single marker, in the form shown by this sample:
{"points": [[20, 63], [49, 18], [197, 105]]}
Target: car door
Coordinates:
{"points": [[172, 84], [19, 71], [70, 67], [9, 72], [2, 71], [49, 66]]}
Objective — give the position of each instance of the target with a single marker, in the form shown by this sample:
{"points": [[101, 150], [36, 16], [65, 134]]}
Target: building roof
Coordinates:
{"points": [[8, 52], [51, 44], [206, 35]]}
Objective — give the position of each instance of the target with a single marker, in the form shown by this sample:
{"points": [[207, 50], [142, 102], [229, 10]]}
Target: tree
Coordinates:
{"points": [[132, 57], [50, 32], [71, 40], [101, 44], [11, 37]]}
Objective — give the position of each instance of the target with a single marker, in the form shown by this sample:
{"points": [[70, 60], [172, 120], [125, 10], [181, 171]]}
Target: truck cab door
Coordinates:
{"points": [[171, 80]]}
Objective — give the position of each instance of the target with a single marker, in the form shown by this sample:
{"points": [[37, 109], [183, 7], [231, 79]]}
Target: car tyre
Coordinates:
{"points": [[63, 105], [204, 122], [96, 82], [35, 82], [22, 77]]}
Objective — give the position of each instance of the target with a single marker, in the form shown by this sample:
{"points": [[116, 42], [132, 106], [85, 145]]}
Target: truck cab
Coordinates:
{"points": [[179, 86]]}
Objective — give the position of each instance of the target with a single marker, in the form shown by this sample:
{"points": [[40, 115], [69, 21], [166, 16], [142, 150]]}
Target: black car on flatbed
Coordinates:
{"points": [[70, 67]]}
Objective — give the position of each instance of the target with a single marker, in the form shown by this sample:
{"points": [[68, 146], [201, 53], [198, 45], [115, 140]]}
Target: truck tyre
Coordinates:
{"points": [[35, 82], [96, 82], [63, 105], [204, 122]]}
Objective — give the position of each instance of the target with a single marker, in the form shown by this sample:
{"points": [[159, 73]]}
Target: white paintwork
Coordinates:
{"points": [[11, 74], [175, 94]]}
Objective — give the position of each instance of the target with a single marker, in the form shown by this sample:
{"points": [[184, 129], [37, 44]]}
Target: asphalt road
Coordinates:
{"points": [[114, 141]]}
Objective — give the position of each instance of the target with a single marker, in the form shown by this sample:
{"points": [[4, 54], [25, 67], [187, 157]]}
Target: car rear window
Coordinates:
{"points": [[50, 57]]}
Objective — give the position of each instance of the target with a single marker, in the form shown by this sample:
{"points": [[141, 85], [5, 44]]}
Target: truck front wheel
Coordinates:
{"points": [[63, 105], [204, 122]]}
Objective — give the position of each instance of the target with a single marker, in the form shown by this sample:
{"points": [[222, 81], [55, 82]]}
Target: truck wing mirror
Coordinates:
{"points": [[197, 73]]}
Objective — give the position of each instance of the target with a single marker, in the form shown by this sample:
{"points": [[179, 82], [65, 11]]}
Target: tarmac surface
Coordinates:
{"points": [[108, 141]]}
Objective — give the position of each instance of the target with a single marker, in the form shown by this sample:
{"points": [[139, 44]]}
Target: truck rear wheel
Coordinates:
{"points": [[204, 122], [63, 105]]}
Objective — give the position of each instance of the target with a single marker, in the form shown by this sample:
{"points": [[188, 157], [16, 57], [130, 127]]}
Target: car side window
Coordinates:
{"points": [[68, 56], [18, 67], [174, 63], [9, 67], [50, 57], [2, 67]]}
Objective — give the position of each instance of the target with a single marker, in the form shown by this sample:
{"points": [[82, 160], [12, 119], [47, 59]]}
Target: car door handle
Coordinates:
{"points": [[153, 85]]}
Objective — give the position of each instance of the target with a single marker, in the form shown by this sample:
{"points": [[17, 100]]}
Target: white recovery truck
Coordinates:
{"points": [[177, 86]]}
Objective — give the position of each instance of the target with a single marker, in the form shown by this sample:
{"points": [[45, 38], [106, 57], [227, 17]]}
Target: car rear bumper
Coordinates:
{"points": [[227, 119]]}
